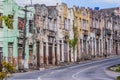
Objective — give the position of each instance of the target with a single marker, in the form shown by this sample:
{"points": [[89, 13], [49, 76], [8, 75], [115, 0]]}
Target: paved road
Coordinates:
{"points": [[92, 70]]}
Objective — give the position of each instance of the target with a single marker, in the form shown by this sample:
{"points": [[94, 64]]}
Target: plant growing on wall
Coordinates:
{"points": [[8, 20], [73, 42]]}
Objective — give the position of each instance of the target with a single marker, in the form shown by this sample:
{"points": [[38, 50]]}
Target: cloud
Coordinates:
{"points": [[47, 2]]}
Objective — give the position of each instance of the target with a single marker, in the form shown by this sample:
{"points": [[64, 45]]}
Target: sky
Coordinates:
{"points": [[85, 3]]}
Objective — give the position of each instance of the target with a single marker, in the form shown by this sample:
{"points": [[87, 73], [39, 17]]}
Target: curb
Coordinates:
{"points": [[112, 73], [66, 65]]}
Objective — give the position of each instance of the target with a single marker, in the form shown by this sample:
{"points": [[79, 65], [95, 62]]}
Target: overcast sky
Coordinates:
{"points": [[70, 3]]}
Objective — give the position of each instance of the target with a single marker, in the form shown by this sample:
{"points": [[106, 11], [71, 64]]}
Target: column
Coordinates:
{"points": [[107, 47], [110, 47], [75, 55], [15, 54], [58, 52], [82, 49], [35, 54], [79, 48], [46, 54], [102, 46], [92, 47], [95, 48], [72, 59], [99, 46], [78, 53], [25, 61], [68, 52], [41, 54], [62, 51], [87, 55], [53, 53]]}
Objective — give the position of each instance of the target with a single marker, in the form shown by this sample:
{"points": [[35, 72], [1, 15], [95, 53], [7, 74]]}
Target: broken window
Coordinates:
{"points": [[21, 23]]}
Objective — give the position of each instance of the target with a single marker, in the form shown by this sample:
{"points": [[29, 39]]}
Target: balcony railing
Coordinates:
{"points": [[108, 31], [85, 33], [21, 34], [98, 32]]}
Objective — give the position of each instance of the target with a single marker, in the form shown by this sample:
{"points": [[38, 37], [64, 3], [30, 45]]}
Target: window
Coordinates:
{"points": [[81, 45], [30, 53], [69, 24], [48, 24], [30, 26], [54, 24], [83, 23], [97, 24], [21, 23], [19, 55], [10, 51], [65, 23]]}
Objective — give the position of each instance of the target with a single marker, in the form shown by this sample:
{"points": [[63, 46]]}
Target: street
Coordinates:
{"points": [[90, 70]]}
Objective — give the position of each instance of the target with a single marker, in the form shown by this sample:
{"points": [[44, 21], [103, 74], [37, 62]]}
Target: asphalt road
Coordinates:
{"points": [[91, 70]]}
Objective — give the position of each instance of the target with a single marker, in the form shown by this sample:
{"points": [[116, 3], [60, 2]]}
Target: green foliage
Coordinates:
{"points": [[8, 20], [118, 69], [2, 75], [8, 68], [118, 78], [73, 42]]}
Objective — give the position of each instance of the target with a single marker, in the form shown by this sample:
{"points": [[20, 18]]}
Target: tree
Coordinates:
{"points": [[73, 42]]}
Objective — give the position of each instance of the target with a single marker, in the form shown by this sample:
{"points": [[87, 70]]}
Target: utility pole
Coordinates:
{"points": [[24, 37], [24, 32]]}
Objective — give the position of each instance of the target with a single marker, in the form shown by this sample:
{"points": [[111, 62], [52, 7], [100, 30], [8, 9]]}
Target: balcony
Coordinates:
{"points": [[98, 32], [115, 37], [85, 33], [51, 33], [21, 34], [108, 32]]}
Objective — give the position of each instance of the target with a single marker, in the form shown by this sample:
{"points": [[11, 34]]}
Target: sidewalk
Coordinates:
{"points": [[62, 65], [112, 73]]}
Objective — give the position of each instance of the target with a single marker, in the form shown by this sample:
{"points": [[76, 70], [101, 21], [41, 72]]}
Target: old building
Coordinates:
{"points": [[84, 21], [95, 36], [111, 26], [12, 39], [65, 22]]}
